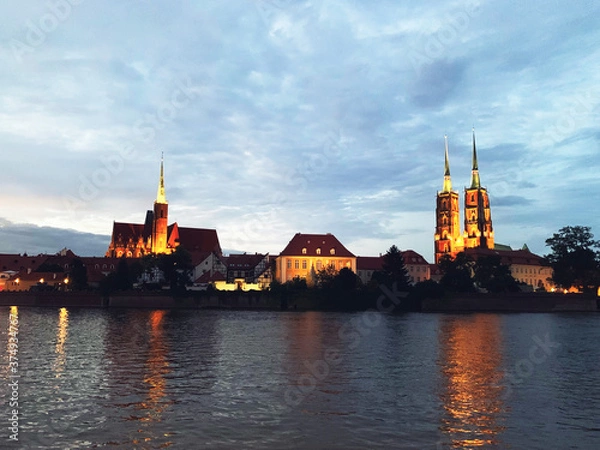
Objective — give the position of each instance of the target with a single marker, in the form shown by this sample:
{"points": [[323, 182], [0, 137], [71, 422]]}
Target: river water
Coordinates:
{"points": [[190, 379]]}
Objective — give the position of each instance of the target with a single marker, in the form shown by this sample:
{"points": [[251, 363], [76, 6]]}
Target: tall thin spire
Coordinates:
{"points": [[447, 181], [160, 196], [475, 181]]}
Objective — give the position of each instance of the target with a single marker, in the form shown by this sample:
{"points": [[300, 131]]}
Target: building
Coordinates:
{"points": [[525, 267], [155, 236], [307, 254], [478, 231], [248, 268], [417, 267]]}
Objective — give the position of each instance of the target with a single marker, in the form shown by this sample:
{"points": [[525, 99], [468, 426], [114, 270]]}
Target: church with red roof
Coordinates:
{"points": [[155, 236]]}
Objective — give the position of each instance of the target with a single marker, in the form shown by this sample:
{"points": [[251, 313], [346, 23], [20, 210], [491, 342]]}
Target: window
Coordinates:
{"points": [[319, 264], [304, 251], [332, 251], [289, 263], [297, 264], [304, 264], [318, 251]]}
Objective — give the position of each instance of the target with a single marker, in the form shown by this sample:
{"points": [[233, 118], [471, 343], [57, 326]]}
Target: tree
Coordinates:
{"points": [[78, 275], [177, 268], [458, 272], [394, 269], [324, 277], [345, 280], [574, 258], [122, 276], [494, 276]]}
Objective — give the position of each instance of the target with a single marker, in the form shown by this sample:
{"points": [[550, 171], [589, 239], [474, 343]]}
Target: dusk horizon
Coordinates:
{"points": [[280, 117]]}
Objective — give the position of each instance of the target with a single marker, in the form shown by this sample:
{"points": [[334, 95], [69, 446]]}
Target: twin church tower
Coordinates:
{"points": [[478, 231]]}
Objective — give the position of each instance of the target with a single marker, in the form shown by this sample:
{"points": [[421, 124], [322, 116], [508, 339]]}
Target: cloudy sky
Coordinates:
{"points": [[281, 116]]}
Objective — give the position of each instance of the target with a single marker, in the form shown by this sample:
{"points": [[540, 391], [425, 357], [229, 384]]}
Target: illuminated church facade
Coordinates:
{"points": [[478, 232], [156, 236]]}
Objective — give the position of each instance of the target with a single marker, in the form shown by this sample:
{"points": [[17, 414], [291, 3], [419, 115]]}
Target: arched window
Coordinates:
{"points": [[304, 250], [318, 250], [332, 251]]}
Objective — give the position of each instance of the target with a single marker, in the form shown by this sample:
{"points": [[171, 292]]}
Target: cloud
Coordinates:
{"points": [[33, 239], [304, 115]]}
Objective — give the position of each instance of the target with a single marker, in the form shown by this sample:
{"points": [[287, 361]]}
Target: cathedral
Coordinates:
{"points": [[156, 236], [478, 231]]}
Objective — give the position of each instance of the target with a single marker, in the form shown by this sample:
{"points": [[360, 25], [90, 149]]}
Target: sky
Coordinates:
{"points": [[280, 116]]}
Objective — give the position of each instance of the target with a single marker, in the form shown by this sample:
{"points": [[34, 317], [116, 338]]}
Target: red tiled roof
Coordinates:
{"points": [[508, 256], [312, 242], [18, 262], [126, 231], [369, 262], [207, 278], [375, 262], [412, 257], [243, 261], [199, 240], [198, 257]]}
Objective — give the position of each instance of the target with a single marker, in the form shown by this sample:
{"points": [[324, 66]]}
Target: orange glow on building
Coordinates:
{"points": [[478, 231]]}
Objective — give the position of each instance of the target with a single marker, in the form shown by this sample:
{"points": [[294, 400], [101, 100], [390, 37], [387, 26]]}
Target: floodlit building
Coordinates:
{"points": [[155, 236], [307, 254]]}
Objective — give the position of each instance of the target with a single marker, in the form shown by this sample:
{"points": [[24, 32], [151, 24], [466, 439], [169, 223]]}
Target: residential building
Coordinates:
{"points": [[307, 254]]}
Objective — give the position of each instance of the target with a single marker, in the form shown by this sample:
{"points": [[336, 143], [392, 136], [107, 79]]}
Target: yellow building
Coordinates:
{"points": [[307, 254]]}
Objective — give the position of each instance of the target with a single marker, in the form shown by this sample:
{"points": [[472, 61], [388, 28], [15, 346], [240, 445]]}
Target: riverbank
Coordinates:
{"points": [[520, 302], [517, 302]]}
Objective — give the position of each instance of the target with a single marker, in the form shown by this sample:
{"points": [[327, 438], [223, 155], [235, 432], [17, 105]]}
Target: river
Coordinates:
{"points": [[195, 379]]}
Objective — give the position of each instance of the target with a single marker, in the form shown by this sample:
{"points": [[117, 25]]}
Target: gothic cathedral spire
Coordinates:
{"points": [[448, 239], [160, 195], [478, 217], [447, 180], [160, 216], [475, 181]]}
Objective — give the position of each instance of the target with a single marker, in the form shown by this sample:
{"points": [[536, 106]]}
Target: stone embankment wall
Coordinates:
{"points": [[525, 302]]}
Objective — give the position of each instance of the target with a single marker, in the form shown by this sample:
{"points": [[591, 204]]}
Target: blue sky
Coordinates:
{"points": [[280, 116]]}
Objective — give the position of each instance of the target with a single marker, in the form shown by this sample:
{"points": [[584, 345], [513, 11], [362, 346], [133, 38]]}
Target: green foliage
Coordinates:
{"points": [[458, 273], [574, 258], [494, 276], [394, 270]]}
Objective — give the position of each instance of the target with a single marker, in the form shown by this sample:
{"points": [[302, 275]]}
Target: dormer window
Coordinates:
{"points": [[332, 251], [318, 250], [304, 250]]}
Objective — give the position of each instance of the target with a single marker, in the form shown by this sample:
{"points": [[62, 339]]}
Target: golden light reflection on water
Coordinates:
{"points": [[157, 367], [471, 360], [61, 338]]}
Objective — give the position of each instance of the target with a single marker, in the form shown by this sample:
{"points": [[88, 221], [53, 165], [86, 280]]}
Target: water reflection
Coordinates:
{"points": [[157, 367], [471, 359], [61, 338]]}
